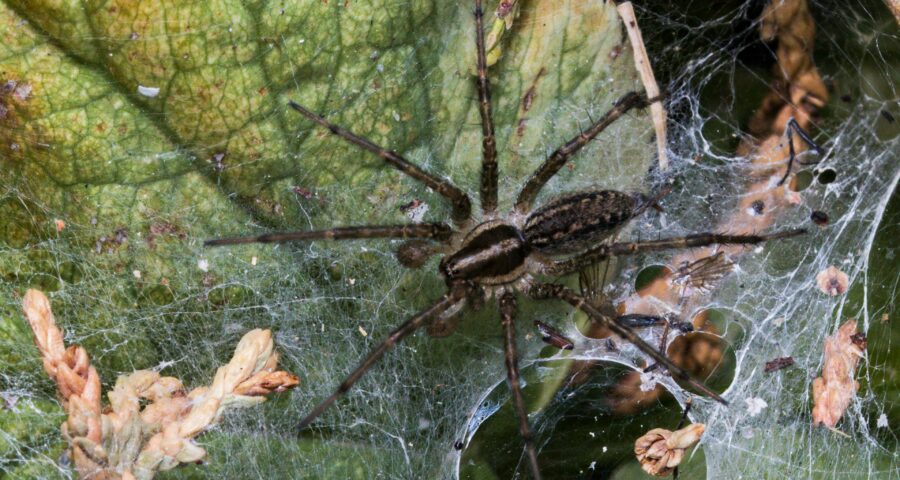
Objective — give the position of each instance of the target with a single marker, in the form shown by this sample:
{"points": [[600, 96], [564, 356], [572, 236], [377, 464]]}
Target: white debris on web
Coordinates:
{"points": [[149, 92], [755, 406]]}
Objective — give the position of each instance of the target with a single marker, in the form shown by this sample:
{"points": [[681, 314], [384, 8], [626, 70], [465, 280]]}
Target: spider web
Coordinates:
{"points": [[141, 180]]}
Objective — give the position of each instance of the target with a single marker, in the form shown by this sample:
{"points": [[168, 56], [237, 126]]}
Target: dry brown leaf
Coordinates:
{"points": [[833, 391]]}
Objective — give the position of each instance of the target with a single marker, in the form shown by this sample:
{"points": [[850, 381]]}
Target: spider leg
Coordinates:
{"points": [[793, 126], [488, 142], [558, 158], [602, 252], [399, 333], [461, 205], [546, 291], [508, 317], [436, 231]]}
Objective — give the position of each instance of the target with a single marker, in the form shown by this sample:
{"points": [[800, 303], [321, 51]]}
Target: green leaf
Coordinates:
{"points": [[148, 127]]}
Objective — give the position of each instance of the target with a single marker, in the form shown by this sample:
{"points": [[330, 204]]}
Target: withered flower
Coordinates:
{"points": [[833, 391], [661, 450], [832, 281], [151, 420]]}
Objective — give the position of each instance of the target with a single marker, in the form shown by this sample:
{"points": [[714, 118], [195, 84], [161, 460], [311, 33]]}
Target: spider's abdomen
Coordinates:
{"points": [[577, 221], [494, 253]]}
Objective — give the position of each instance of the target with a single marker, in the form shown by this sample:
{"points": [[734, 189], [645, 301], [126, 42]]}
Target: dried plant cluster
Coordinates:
{"points": [[126, 441], [660, 451], [835, 389]]}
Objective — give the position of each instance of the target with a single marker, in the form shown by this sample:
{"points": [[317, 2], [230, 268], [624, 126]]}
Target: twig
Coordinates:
{"points": [[642, 63]]}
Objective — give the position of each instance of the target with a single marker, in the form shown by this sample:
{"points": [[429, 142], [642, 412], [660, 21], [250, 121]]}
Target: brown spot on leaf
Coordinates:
{"points": [[303, 192], [163, 229]]}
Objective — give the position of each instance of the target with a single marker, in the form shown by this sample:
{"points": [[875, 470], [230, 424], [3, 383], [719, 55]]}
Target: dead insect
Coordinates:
{"points": [[778, 364], [703, 273], [552, 336], [498, 255]]}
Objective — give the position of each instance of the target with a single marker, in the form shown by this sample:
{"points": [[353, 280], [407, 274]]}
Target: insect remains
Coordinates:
{"points": [[551, 336], [500, 255]]}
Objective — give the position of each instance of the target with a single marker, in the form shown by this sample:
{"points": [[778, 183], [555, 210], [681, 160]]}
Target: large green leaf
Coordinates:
{"points": [[147, 127]]}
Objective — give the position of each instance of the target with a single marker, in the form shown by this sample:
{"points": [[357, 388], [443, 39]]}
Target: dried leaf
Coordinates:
{"points": [[833, 391]]}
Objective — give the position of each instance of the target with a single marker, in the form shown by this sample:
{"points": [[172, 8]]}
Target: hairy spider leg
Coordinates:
{"points": [[462, 207], [558, 158], [399, 333], [793, 126], [602, 252], [435, 231], [488, 141], [508, 317], [547, 291]]}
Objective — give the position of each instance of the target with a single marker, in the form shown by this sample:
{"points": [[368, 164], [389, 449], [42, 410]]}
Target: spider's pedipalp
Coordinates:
{"points": [[462, 207]]}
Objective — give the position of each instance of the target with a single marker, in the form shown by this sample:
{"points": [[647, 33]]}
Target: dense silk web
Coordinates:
{"points": [[329, 303]]}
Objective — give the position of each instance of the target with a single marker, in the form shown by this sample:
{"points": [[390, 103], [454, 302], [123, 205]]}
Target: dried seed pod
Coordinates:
{"points": [[659, 451]]}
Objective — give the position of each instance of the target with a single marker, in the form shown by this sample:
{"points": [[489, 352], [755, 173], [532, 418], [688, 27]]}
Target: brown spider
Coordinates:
{"points": [[501, 254]]}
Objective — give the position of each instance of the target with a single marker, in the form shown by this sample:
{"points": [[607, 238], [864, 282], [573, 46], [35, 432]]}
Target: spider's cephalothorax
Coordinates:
{"points": [[506, 254]]}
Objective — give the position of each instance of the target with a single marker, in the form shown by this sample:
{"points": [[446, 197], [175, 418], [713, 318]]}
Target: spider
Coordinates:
{"points": [[501, 254]]}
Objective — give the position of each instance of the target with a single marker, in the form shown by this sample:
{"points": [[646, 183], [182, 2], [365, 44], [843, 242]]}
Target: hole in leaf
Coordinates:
{"points": [[707, 353], [647, 275], [801, 181], [827, 176]]}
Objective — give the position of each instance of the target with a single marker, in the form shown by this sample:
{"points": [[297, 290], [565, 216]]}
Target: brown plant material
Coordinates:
{"points": [[894, 7], [832, 281], [797, 91], [645, 70], [778, 363], [659, 451], [125, 441], [833, 391]]}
